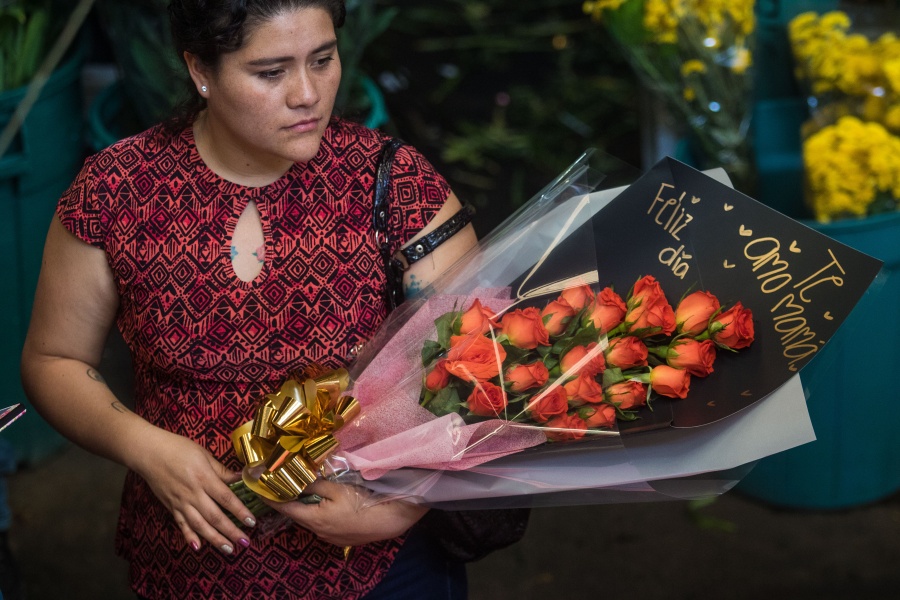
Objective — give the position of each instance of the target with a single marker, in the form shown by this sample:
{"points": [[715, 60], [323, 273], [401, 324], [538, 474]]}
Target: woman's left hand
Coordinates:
{"points": [[339, 518]]}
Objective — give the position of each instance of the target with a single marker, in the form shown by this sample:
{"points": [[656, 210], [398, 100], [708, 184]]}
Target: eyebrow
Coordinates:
{"points": [[262, 62]]}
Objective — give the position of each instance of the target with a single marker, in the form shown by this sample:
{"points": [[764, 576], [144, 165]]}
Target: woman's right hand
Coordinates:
{"points": [[193, 485]]}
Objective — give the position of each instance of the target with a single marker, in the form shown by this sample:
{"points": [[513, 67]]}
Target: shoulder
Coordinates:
{"points": [[147, 147]]}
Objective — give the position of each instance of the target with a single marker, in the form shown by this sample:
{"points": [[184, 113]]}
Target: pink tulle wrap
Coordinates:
{"points": [[394, 431]]}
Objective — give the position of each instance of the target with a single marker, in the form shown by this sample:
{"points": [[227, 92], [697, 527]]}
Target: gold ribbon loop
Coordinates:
{"points": [[292, 434]]}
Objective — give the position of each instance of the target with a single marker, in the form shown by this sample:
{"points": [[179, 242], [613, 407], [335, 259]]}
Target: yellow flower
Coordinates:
{"points": [[692, 66], [689, 94], [596, 8]]}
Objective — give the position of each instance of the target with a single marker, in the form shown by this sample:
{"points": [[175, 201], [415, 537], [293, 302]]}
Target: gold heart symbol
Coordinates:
{"points": [[745, 232], [711, 404], [695, 200], [746, 393], [727, 265], [728, 207], [795, 248], [828, 316]]}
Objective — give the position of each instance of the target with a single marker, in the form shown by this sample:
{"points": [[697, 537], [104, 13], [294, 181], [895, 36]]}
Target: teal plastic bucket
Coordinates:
{"points": [[852, 396], [40, 164]]}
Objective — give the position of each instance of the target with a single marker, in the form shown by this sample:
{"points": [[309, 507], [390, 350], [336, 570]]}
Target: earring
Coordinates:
{"points": [[204, 89]]}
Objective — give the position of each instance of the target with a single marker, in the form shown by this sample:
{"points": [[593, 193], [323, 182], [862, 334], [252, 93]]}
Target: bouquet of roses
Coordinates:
{"points": [[471, 393], [581, 361]]}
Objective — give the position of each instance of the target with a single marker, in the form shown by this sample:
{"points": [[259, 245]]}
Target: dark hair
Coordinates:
{"points": [[210, 28]]}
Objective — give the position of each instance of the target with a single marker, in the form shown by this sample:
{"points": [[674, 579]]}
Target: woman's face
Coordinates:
{"points": [[270, 101]]}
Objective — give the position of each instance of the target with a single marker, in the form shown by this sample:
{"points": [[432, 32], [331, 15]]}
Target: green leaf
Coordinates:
{"points": [[445, 327], [445, 402], [430, 351], [611, 376]]}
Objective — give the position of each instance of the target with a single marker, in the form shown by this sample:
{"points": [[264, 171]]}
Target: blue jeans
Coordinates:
{"points": [[422, 571]]}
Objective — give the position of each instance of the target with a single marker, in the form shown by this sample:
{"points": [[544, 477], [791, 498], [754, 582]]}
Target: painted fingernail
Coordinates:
{"points": [[226, 549], [244, 542], [195, 546], [250, 521]]}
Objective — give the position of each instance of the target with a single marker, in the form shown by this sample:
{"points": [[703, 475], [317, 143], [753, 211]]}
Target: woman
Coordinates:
{"points": [[231, 248]]}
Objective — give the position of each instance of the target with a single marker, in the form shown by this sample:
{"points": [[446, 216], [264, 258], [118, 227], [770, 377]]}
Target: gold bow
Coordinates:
{"points": [[292, 433]]}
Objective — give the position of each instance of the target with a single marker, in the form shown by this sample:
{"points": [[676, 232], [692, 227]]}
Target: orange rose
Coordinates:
{"points": [[525, 377], [584, 388], [476, 320], [669, 381], [487, 400], [552, 404], [524, 327], [695, 357], [601, 415], [733, 328], [627, 394], [626, 352], [648, 310], [694, 311], [577, 297], [558, 314], [474, 357], [593, 367], [568, 428], [439, 376], [607, 311]]}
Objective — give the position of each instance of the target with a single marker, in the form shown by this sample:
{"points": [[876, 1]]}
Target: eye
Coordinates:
{"points": [[272, 74], [321, 63]]}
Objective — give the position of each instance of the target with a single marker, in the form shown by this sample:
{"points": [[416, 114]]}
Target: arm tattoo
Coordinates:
{"points": [[413, 287], [95, 375]]}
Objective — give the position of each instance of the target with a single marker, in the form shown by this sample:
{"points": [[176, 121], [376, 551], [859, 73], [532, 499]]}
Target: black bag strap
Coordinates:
{"points": [[424, 246], [381, 215]]}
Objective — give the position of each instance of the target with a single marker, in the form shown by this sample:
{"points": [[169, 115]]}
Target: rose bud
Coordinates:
{"points": [[477, 319], [694, 311], [733, 328], [474, 358], [593, 367], [607, 311], [599, 415], [547, 405], [626, 352], [627, 394], [487, 400], [569, 428], [584, 388], [439, 376], [524, 327], [695, 357], [525, 377], [559, 313], [648, 310], [670, 382], [577, 297]]}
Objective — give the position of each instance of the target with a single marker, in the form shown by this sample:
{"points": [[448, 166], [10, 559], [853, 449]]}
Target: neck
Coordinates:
{"points": [[227, 159]]}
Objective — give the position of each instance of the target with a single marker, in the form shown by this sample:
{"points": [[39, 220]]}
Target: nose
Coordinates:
{"points": [[303, 90]]}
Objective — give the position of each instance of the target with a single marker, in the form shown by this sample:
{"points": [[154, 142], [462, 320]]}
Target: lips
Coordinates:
{"points": [[304, 126]]}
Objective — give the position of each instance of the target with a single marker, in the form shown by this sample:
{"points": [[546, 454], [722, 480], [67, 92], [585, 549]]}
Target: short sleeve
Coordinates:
{"points": [[81, 209], [418, 192]]}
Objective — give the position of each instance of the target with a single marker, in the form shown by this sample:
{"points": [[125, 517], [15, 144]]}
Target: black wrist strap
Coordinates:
{"points": [[427, 244]]}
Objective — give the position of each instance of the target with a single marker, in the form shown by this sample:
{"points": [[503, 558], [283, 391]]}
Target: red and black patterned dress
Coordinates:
{"points": [[205, 344]]}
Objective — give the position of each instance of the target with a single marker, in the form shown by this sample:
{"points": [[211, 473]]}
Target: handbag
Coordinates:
{"points": [[464, 535]]}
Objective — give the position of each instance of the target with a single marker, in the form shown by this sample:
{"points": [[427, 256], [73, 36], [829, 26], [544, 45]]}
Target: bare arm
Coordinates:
{"points": [[425, 271], [74, 308]]}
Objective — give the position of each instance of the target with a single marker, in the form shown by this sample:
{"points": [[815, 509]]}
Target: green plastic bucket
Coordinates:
{"points": [[43, 159], [852, 396]]}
